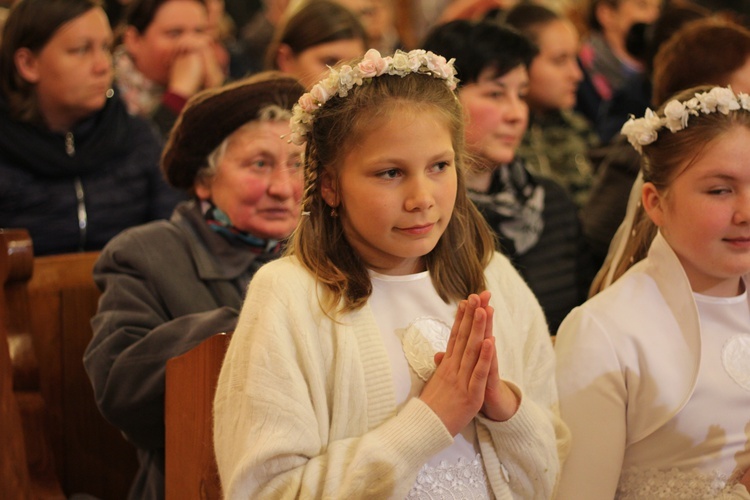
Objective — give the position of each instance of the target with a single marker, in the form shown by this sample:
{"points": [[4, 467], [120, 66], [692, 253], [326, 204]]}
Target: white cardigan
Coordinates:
{"points": [[627, 362], [305, 407]]}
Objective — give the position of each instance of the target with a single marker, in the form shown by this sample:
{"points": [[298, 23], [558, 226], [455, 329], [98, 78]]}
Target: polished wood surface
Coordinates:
{"points": [[191, 383], [48, 307], [27, 467]]}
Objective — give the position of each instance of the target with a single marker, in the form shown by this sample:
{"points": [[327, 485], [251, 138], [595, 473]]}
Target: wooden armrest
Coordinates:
{"points": [[190, 470]]}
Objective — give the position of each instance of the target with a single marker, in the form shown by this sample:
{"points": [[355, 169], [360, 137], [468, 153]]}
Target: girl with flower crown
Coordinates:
{"points": [[653, 372], [392, 353]]}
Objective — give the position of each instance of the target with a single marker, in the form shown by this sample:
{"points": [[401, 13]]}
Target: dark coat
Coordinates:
{"points": [[166, 287], [76, 191]]}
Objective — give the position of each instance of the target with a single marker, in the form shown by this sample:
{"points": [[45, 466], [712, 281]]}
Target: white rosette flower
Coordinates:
{"points": [[676, 115], [744, 101], [707, 102], [400, 64], [726, 101], [348, 78], [642, 131]]}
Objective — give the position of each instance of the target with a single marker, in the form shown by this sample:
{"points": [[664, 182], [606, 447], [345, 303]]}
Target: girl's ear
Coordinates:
{"points": [[26, 64], [285, 59], [329, 190], [653, 203]]}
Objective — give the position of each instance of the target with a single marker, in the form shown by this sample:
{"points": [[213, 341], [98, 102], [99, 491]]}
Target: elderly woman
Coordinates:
{"points": [[75, 168], [168, 285]]}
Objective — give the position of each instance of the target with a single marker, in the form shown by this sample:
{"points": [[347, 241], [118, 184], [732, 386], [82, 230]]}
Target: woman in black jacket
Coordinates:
{"points": [[75, 168]]}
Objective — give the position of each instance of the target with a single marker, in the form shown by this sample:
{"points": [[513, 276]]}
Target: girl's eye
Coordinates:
{"points": [[389, 174], [441, 166], [718, 191], [259, 164]]}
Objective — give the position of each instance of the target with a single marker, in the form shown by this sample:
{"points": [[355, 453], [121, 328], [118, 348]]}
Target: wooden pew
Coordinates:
{"points": [[26, 465], [190, 470], [51, 309]]}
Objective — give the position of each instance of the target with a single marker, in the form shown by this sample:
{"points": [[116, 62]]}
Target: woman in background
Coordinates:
{"points": [[75, 167], [316, 36]]}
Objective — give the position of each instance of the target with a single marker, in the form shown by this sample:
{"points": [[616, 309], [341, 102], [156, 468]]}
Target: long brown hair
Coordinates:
{"points": [[457, 262]]}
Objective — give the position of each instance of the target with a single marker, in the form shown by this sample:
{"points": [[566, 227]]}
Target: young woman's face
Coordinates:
{"points": [[73, 71], [179, 26], [395, 200], [554, 74], [496, 113], [258, 181], [705, 214], [310, 65]]}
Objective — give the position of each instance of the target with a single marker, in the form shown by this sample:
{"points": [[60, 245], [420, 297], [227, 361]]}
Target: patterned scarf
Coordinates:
{"points": [[219, 222], [513, 207], [140, 94]]}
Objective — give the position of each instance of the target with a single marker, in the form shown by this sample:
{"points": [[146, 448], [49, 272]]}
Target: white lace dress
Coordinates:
{"points": [[703, 450], [415, 324]]}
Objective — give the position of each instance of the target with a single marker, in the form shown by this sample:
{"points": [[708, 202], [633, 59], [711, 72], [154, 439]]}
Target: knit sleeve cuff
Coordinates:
{"points": [[415, 434]]}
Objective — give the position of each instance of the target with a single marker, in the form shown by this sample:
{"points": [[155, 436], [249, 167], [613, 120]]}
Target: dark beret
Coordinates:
{"points": [[212, 115]]}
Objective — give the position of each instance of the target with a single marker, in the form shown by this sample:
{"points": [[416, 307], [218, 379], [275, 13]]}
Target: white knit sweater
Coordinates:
{"points": [[305, 406]]}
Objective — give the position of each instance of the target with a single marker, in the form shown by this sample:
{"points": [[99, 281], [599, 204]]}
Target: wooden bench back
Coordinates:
{"points": [[190, 470], [26, 466], [49, 314]]}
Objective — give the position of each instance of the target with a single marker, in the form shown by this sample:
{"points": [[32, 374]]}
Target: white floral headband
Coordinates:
{"points": [[341, 81], [643, 131]]}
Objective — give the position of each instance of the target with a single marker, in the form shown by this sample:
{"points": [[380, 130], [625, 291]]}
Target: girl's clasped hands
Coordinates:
{"points": [[466, 380]]}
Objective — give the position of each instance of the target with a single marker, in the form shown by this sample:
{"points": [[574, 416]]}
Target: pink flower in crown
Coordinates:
{"points": [[307, 103], [372, 64], [442, 68]]}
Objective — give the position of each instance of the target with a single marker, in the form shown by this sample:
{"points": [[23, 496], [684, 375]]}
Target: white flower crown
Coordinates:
{"points": [[643, 131], [340, 81]]}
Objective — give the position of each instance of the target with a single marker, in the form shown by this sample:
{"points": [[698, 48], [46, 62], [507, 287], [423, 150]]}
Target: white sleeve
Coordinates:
{"points": [[593, 400]]}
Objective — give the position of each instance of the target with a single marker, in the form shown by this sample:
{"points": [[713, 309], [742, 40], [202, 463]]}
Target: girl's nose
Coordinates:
{"points": [[742, 211], [419, 195]]}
